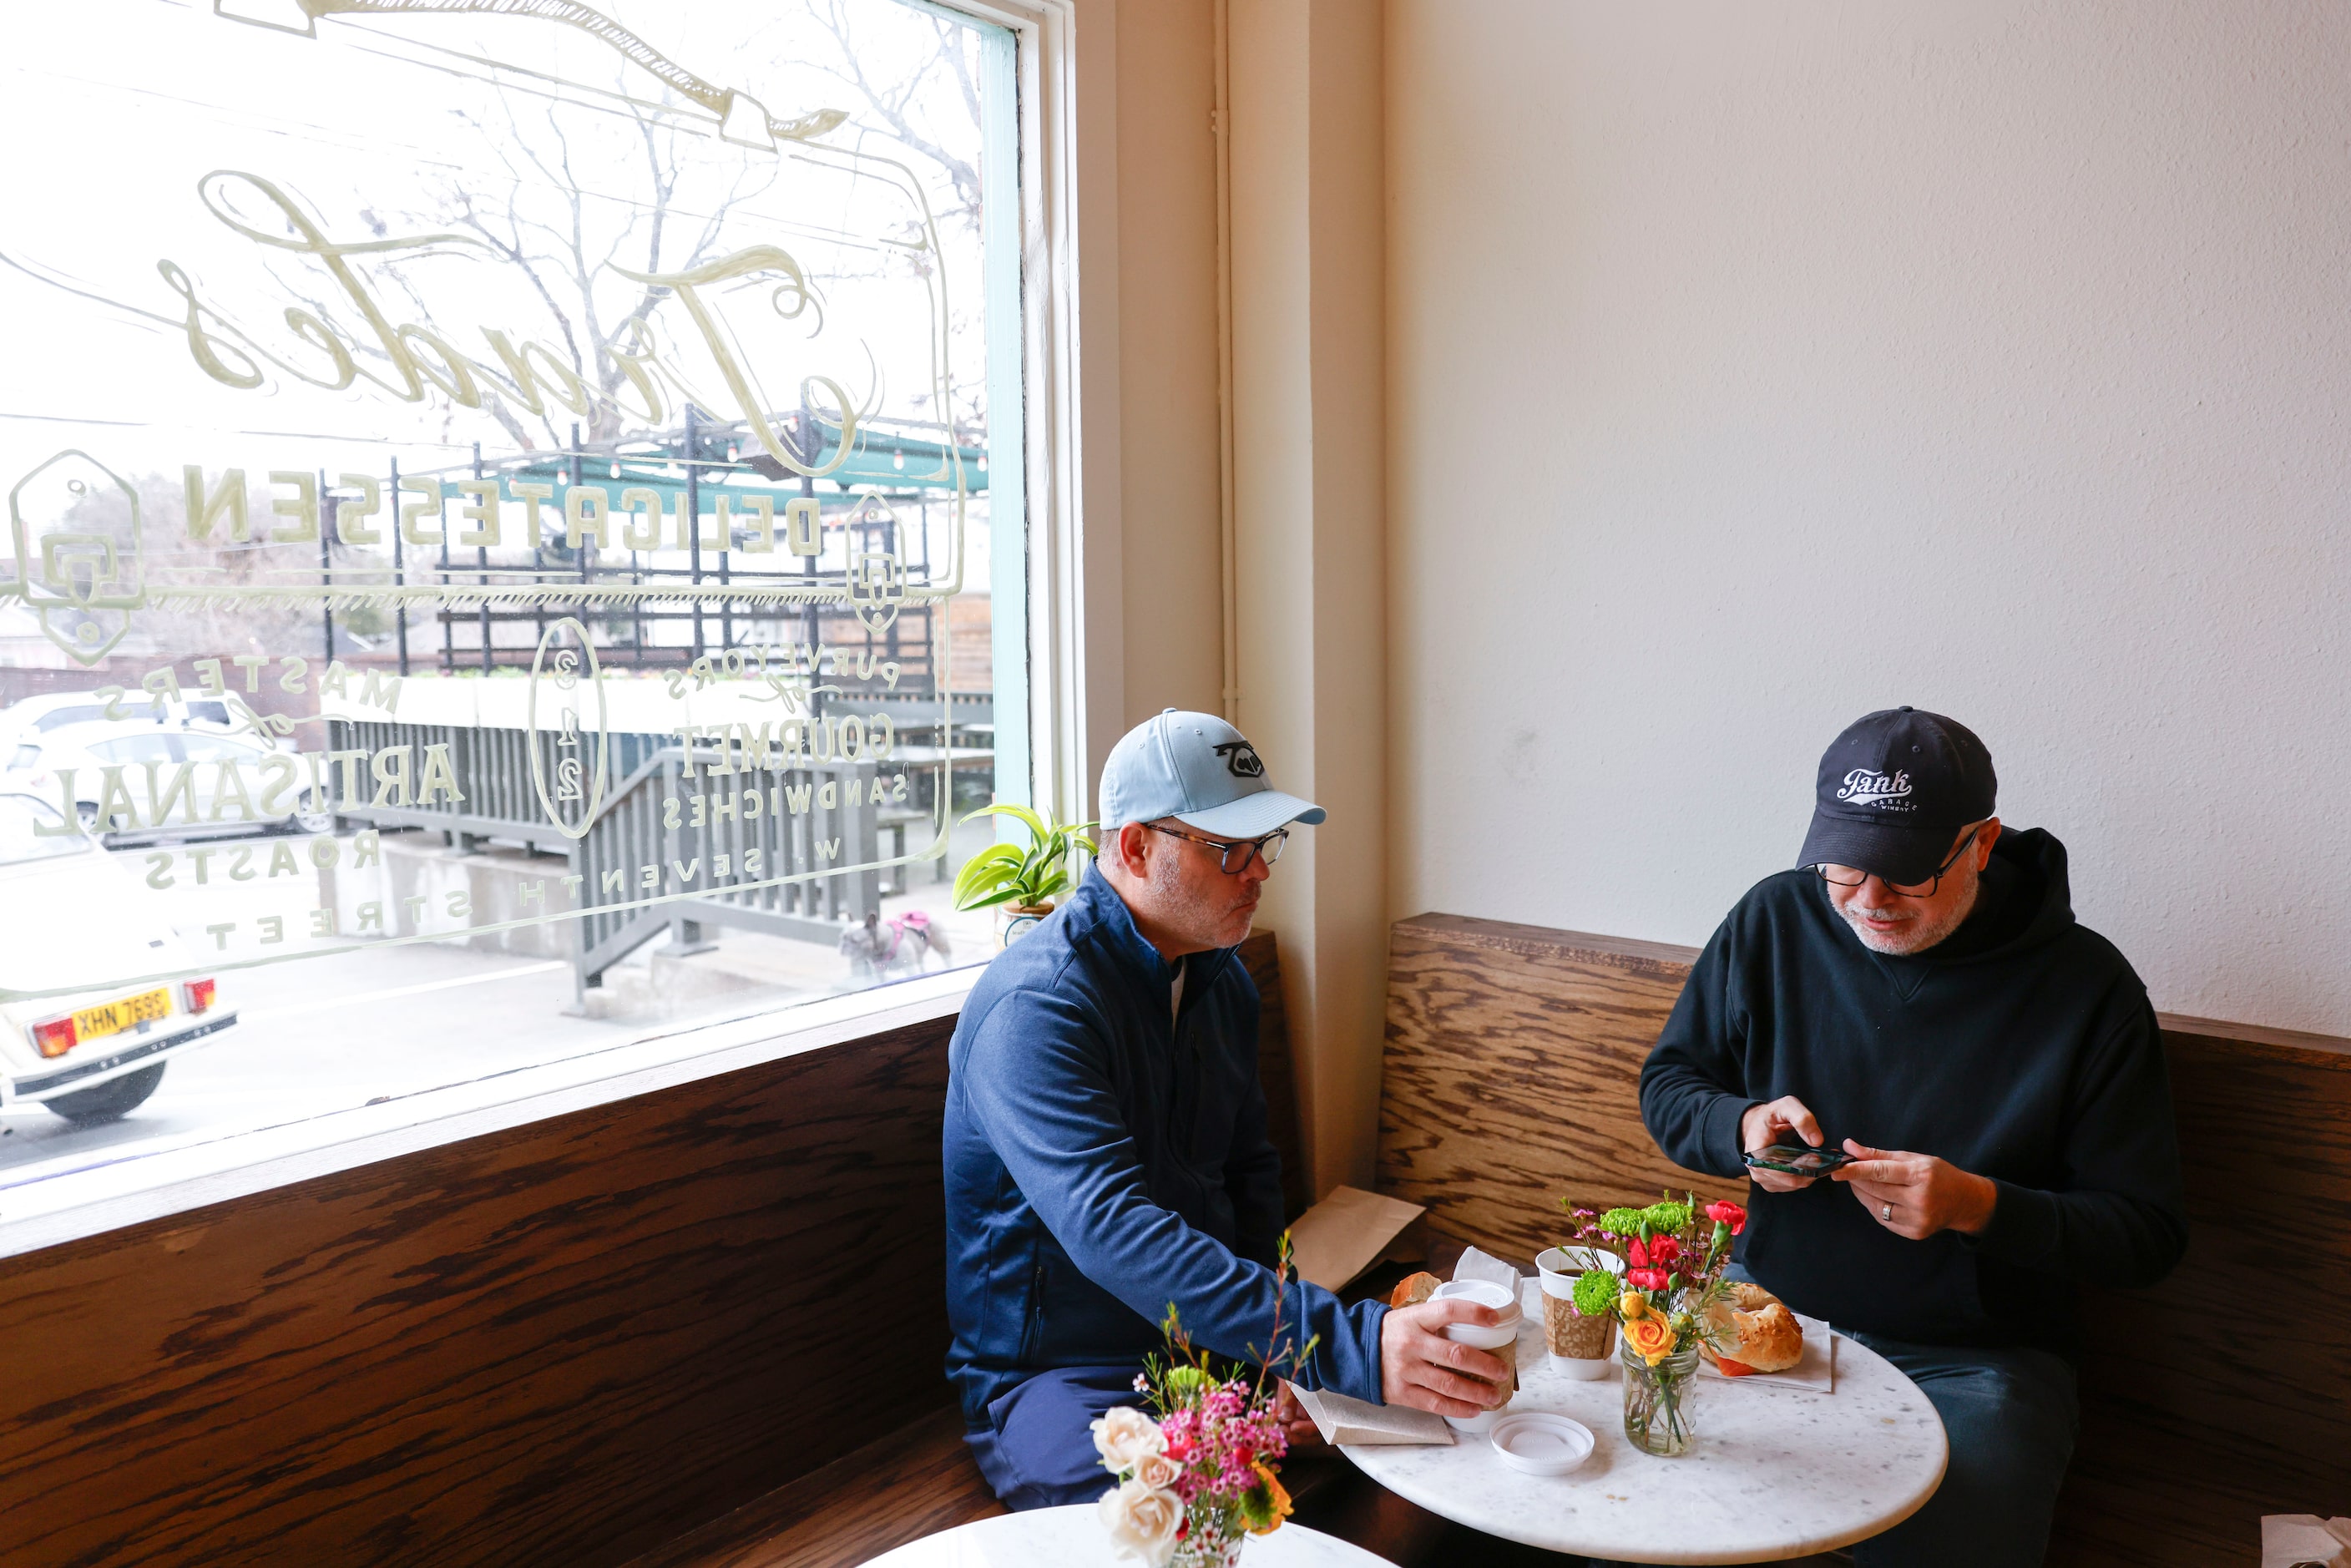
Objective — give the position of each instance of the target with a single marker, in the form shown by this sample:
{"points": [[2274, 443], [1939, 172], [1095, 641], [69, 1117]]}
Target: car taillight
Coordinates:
{"points": [[55, 1037], [196, 996]]}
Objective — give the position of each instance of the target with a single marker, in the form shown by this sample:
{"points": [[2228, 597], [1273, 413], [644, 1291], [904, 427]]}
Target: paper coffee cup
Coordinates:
{"points": [[1582, 1347], [1502, 1339]]}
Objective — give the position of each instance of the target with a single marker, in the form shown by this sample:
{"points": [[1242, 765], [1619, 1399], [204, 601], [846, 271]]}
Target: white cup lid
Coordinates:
{"points": [[1541, 1444], [1484, 1292]]}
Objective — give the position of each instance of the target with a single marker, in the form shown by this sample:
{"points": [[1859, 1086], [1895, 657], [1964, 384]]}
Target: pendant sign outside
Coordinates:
{"points": [[74, 526], [572, 796]]}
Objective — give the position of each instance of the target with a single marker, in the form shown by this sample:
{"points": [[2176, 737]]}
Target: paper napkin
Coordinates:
{"points": [[1343, 1420]]}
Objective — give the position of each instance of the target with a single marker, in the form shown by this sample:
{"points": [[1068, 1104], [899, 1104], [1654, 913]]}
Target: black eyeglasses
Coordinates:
{"points": [[1851, 876], [1235, 858]]}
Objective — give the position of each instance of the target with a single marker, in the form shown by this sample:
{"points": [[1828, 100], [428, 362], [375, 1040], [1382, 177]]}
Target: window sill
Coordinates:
{"points": [[94, 1200]]}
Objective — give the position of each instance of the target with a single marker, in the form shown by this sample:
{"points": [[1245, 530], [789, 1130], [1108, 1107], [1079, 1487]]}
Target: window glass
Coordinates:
{"points": [[516, 538]]}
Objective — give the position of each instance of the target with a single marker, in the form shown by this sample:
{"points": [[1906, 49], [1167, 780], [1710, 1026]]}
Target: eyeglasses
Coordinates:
{"points": [[1850, 876], [1235, 858]]}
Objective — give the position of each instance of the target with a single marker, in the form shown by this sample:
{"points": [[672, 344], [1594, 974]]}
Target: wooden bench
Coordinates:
{"points": [[1510, 1080]]}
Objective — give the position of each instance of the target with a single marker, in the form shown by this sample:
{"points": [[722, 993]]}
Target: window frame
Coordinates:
{"points": [[1052, 638]]}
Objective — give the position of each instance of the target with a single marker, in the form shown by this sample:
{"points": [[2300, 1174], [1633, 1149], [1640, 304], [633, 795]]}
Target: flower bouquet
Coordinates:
{"points": [[1196, 1479], [1675, 1253]]}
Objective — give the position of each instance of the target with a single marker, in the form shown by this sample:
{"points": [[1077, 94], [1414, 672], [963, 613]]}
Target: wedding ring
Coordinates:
{"points": [[1885, 1212]]}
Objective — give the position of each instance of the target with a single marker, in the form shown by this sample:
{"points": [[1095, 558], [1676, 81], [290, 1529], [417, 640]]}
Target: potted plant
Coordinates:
{"points": [[1022, 883]]}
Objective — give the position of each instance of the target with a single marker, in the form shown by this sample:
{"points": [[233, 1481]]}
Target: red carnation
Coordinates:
{"points": [[1728, 1213], [1654, 1253], [1648, 1278]]}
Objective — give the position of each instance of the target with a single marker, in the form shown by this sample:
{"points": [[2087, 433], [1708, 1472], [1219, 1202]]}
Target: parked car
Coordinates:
{"points": [[89, 743], [75, 923]]}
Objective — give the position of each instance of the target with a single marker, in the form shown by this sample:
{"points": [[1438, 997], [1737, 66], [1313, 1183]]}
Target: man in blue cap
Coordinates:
{"points": [[1919, 990], [1106, 1151]]}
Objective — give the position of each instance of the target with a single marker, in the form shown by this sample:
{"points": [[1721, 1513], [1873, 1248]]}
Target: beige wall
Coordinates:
{"points": [[1308, 303], [1173, 602], [1753, 367], [1309, 501]]}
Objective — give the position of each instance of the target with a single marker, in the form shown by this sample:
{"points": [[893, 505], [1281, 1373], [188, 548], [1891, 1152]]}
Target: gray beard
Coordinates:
{"points": [[1913, 935]]}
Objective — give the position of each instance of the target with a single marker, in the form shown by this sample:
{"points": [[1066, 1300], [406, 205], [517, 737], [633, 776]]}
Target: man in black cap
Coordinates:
{"points": [[1919, 990]]}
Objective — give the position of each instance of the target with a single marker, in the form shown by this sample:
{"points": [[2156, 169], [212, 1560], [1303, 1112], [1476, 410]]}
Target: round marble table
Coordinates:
{"points": [[1074, 1538], [1775, 1473]]}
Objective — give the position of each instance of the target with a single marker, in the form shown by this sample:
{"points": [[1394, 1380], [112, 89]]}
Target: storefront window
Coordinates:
{"points": [[516, 519]]}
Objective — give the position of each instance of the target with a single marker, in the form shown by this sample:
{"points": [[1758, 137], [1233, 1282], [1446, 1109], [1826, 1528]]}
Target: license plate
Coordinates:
{"points": [[113, 1018]]}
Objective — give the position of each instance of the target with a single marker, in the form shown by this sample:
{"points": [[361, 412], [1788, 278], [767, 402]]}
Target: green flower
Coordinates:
{"points": [[1595, 1293], [1668, 1216], [1622, 1221]]}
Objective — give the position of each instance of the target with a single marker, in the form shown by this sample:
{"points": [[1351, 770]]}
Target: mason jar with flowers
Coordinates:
{"points": [[1674, 1255]]}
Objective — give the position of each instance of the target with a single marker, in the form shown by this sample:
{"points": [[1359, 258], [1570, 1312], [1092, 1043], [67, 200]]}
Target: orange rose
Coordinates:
{"points": [[1651, 1339]]}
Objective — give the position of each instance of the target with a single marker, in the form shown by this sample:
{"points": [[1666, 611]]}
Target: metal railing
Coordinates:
{"points": [[753, 850]]}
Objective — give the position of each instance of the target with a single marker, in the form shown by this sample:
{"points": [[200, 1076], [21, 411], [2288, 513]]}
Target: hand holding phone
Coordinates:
{"points": [[1761, 1128], [1797, 1159]]}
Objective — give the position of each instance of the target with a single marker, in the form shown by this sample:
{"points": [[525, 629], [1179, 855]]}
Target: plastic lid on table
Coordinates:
{"points": [[1541, 1444]]}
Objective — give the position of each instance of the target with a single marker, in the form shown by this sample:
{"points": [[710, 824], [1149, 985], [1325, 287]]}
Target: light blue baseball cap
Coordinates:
{"points": [[1200, 770]]}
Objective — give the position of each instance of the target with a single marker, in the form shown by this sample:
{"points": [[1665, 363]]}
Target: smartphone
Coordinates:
{"points": [[1798, 1159]]}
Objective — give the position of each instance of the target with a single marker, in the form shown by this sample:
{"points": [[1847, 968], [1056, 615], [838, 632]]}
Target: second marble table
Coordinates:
{"points": [[1775, 1472]]}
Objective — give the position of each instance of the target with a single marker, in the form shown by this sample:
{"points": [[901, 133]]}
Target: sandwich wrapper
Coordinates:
{"points": [[1341, 1419], [1341, 1235]]}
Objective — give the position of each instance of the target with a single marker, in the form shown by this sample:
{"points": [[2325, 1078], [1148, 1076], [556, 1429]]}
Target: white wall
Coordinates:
{"points": [[1755, 366]]}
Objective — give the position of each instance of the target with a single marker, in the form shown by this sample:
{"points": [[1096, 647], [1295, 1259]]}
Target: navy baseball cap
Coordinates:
{"points": [[1200, 770], [1892, 792]]}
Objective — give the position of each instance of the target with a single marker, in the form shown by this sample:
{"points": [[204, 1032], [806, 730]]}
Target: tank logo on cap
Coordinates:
{"points": [[1241, 758], [1867, 787]]}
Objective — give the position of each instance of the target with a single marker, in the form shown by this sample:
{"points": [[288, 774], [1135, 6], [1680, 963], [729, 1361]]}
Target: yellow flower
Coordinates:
{"points": [[1277, 1505], [1652, 1339], [1632, 1305]]}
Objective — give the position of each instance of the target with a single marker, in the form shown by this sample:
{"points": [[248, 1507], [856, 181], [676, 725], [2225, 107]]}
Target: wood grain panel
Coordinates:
{"points": [[1510, 1078], [916, 1481], [560, 1345], [1277, 1069], [2199, 1418]]}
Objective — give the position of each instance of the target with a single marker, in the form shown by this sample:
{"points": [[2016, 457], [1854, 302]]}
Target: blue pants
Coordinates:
{"points": [[2011, 1416], [1036, 1450]]}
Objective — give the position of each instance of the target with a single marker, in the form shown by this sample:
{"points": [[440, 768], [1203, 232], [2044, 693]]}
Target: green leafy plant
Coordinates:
{"points": [[1025, 878]]}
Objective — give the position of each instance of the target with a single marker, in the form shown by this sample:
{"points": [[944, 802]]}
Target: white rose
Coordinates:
{"points": [[1157, 1470], [1142, 1521], [1123, 1435]]}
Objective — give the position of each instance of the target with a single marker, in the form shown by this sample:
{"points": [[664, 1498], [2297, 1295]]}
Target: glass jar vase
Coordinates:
{"points": [[1214, 1541], [1657, 1400]]}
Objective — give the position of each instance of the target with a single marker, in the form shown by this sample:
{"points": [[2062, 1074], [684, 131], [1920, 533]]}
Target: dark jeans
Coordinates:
{"points": [[2011, 1416], [1036, 1450]]}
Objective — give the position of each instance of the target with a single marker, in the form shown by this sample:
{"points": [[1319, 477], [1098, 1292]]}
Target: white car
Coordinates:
{"points": [[77, 925], [88, 743]]}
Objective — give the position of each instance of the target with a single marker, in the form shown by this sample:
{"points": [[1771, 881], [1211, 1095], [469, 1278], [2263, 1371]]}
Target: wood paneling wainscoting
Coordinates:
{"points": [[560, 1345], [570, 1343], [2223, 1394]]}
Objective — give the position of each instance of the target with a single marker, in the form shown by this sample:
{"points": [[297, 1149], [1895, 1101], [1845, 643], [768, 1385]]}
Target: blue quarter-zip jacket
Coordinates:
{"points": [[1105, 1160]]}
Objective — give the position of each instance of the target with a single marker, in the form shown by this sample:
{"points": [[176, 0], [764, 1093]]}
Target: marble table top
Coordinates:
{"points": [[1074, 1538], [1775, 1472]]}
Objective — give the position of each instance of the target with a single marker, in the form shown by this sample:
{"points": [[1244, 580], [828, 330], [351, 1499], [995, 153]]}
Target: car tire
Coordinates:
{"points": [[110, 1101], [312, 815]]}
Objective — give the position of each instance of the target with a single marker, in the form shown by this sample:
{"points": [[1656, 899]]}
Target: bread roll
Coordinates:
{"points": [[1413, 1290], [1764, 1334]]}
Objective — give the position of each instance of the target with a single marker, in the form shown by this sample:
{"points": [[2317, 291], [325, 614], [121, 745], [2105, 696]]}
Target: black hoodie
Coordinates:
{"points": [[2022, 1047]]}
